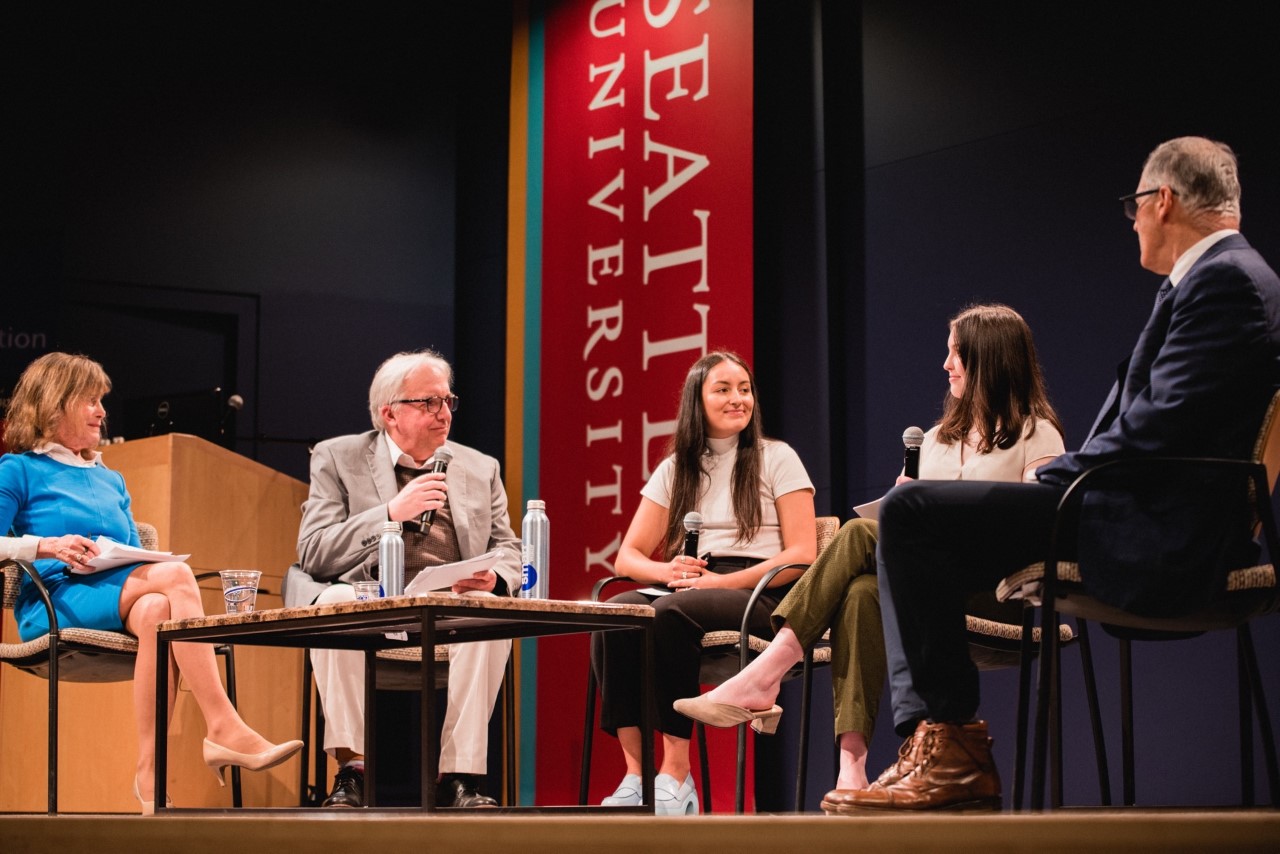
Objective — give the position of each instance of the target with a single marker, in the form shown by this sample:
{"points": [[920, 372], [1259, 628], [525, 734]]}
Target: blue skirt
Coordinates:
{"points": [[80, 601]]}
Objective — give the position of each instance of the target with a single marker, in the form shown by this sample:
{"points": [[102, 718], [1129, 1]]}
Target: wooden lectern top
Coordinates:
{"points": [[228, 511]]}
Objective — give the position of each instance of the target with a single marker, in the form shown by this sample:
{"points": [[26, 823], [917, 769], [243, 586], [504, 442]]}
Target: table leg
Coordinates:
{"points": [[370, 728], [647, 722], [162, 723], [430, 753]]}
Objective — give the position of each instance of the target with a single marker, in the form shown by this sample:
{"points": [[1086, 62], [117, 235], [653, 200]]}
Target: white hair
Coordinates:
{"points": [[388, 381]]}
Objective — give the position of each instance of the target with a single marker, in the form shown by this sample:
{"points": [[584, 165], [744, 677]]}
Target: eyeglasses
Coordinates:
{"points": [[1130, 201], [431, 405]]}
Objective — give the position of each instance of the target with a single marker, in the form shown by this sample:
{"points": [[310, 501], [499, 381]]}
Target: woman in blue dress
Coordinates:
{"points": [[56, 498]]}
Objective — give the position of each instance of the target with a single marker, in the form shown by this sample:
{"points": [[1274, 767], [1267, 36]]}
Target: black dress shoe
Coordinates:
{"points": [[463, 790], [348, 788]]}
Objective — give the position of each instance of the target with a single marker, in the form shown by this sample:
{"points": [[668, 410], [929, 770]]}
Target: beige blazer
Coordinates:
{"points": [[352, 480]]}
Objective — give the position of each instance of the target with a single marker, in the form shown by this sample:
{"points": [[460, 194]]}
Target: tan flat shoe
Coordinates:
{"points": [[712, 713]]}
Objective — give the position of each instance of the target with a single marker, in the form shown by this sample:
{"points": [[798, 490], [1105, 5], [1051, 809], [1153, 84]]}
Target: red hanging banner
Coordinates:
{"points": [[646, 265]]}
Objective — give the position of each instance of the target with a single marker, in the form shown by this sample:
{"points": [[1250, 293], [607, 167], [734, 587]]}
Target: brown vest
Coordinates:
{"points": [[437, 545]]}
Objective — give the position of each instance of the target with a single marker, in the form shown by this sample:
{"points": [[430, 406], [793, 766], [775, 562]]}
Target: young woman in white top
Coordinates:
{"points": [[756, 501]]}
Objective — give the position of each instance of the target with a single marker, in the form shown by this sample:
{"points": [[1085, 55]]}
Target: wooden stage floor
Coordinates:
{"points": [[265, 832]]}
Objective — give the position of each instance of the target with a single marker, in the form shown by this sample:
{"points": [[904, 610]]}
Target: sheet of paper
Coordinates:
{"points": [[656, 591], [115, 554], [870, 510], [445, 575]]}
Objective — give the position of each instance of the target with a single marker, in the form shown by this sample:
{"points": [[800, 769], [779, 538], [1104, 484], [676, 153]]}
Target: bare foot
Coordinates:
{"points": [[852, 779], [853, 761], [239, 738], [745, 691]]}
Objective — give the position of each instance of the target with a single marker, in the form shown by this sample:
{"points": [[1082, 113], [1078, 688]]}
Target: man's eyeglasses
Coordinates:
{"points": [[431, 405], [1130, 201]]}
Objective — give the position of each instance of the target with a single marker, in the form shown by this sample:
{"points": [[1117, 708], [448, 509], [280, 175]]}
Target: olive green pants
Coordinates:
{"points": [[839, 592]]}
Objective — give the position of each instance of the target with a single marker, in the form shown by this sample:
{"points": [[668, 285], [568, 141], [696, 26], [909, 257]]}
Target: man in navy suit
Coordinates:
{"points": [[1197, 384]]}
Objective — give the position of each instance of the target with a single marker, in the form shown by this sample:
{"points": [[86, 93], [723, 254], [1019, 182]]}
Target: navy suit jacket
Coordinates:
{"points": [[1197, 384]]}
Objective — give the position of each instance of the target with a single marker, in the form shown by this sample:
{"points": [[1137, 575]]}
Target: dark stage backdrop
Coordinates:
{"points": [[339, 171], [995, 143]]}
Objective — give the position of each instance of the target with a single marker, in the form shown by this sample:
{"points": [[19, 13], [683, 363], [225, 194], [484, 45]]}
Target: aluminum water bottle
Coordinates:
{"points": [[535, 551], [391, 560]]}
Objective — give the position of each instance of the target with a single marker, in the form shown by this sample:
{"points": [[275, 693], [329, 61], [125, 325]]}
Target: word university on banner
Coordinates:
{"points": [[646, 265]]}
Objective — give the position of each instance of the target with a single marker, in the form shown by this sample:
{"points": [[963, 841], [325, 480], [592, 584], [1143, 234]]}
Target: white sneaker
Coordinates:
{"points": [[672, 798], [628, 794]]}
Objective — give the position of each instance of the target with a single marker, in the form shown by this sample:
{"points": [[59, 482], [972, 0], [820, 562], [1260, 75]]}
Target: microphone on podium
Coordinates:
{"points": [[233, 404], [692, 530], [439, 463], [912, 439]]}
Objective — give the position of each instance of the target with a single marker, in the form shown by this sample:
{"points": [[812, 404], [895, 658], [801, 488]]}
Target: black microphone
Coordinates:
{"points": [[233, 405], [912, 439], [439, 462], [692, 530]]}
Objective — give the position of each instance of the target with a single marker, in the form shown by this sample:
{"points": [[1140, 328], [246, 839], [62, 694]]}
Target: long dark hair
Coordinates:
{"points": [[1003, 387], [688, 447]]}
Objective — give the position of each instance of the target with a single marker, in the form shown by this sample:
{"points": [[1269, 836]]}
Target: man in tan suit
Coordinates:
{"points": [[358, 483]]}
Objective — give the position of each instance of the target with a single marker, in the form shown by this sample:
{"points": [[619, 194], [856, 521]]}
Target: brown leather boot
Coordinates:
{"points": [[839, 801], [951, 769]]}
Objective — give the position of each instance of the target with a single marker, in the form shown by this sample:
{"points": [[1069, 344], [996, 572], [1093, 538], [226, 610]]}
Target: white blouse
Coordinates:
{"points": [[942, 462], [781, 473]]}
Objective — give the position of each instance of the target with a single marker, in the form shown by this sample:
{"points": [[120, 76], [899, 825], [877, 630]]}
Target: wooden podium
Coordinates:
{"points": [[229, 512]]}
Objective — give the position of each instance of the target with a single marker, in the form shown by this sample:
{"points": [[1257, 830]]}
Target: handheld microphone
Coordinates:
{"points": [[692, 530], [912, 439], [439, 463]]}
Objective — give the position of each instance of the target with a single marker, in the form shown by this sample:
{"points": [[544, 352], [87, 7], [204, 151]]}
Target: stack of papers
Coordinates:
{"points": [[445, 575], [114, 554]]}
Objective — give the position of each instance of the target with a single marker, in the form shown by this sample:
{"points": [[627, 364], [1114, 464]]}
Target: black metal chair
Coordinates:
{"points": [[724, 654], [1003, 635], [995, 632], [1227, 496], [995, 636], [82, 655]]}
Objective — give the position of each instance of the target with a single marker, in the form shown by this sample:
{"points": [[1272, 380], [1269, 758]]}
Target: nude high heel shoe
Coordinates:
{"points": [[709, 712], [218, 757], [149, 807]]}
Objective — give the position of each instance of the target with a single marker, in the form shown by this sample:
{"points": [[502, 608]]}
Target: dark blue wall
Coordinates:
{"points": [[996, 140], [295, 168], [328, 179]]}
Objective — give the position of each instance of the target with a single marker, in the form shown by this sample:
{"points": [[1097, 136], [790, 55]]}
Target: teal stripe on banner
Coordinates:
{"points": [[532, 377]]}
